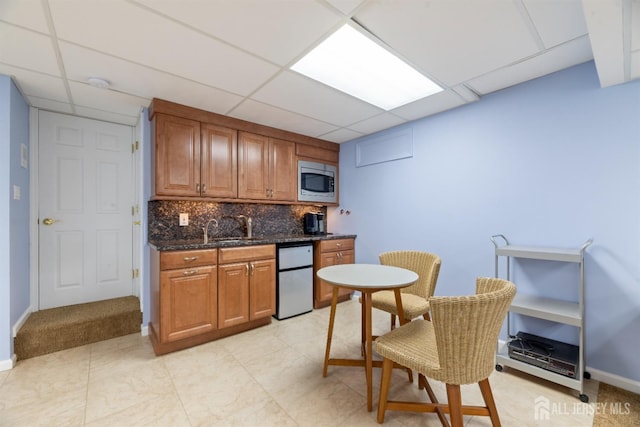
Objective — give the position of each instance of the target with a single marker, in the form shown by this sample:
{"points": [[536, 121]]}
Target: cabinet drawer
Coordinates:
{"points": [[336, 245], [246, 253], [185, 259]]}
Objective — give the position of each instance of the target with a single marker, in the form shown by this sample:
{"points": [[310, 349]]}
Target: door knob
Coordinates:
{"points": [[49, 221]]}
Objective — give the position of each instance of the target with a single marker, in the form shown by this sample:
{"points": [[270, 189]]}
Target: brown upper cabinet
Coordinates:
{"points": [[219, 161], [207, 155], [177, 156], [266, 168], [194, 159]]}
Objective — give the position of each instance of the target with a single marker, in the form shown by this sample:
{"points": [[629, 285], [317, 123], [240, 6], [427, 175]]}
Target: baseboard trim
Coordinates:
{"points": [[598, 375], [21, 321], [615, 380], [5, 365]]}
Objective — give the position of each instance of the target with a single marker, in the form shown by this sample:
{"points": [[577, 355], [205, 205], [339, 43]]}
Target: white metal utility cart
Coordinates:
{"points": [[565, 312]]}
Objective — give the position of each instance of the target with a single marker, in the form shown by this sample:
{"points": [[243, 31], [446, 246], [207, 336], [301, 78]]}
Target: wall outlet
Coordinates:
{"points": [[184, 219]]}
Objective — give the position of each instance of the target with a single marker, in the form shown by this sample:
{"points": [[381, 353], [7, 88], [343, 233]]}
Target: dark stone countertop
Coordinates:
{"points": [[227, 242]]}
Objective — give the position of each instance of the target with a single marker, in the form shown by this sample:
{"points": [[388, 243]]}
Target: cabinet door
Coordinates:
{"points": [[262, 292], [253, 166], [177, 166], [233, 294], [219, 162], [188, 302], [283, 170], [324, 290]]}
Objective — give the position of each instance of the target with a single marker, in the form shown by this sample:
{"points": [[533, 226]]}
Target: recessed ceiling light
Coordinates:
{"points": [[353, 63], [98, 82]]}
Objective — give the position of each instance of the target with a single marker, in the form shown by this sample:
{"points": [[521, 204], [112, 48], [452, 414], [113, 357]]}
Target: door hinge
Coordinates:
{"points": [[135, 273], [135, 146]]}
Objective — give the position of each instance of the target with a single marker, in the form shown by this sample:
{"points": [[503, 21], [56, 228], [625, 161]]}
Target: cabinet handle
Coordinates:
{"points": [[204, 188], [338, 245], [190, 272], [253, 269], [197, 188], [190, 258], [246, 266]]}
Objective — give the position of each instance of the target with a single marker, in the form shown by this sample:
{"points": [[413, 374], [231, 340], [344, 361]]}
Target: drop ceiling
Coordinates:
{"points": [[232, 57]]}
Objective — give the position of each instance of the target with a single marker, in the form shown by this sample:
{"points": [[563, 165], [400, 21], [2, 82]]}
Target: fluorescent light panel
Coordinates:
{"points": [[352, 63]]}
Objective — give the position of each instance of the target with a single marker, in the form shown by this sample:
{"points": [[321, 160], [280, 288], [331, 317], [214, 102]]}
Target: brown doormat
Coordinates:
{"points": [[616, 407], [47, 331]]}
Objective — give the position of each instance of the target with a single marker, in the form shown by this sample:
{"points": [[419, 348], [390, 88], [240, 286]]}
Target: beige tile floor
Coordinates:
{"points": [[271, 376]]}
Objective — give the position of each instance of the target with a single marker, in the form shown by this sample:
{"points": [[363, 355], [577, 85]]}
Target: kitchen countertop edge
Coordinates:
{"points": [[176, 245]]}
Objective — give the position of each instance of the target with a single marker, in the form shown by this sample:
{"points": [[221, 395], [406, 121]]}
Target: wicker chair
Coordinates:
{"points": [[415, 298], [456, 347]]}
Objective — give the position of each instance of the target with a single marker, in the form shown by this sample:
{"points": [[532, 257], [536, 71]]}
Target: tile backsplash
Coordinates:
{"points": [[268, 220]]}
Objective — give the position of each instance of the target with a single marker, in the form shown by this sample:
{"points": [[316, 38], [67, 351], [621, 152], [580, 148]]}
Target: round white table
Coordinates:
{"points": [[366, 278]]}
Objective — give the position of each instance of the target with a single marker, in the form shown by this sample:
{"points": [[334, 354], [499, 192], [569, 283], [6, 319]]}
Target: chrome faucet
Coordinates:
{"points": [[205, 229], [249, 222]]}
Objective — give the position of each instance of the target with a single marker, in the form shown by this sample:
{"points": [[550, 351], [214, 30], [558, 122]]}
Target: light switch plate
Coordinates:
{"points": [[184, 219]]}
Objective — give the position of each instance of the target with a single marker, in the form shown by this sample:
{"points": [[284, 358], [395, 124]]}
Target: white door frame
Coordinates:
{"points": [[34, 278]]}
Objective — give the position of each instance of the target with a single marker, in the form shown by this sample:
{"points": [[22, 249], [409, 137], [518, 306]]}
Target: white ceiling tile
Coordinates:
{"points": [[25, 13], [49, 104], [37, 84], [125, 76], [34, 52], [211, 54], [277, 31], [128, 31], [433, 104], [451, 41], [268, 115], [106, 99], [346, 6], [341, 135], [377, 123], [557, 21], [294, 92], [563, 56]]}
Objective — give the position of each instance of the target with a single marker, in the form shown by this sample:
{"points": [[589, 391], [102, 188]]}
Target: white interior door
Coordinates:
{"points": [[85, 210]]}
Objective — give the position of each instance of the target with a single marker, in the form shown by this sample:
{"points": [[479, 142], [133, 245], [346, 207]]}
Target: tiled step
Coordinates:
{"points": [[55, 329]]}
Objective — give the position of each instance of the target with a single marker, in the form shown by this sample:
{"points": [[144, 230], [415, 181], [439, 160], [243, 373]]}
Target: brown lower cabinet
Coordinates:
{"points": [[247, 284], [326, 253], [202, 295]]}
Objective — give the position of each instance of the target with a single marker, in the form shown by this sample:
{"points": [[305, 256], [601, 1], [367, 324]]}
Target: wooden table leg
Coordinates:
{"points": [[396, 292], [368, 350], [332, 316], [399, 306]]}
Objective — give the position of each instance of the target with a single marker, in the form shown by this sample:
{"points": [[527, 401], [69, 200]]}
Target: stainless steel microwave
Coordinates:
{"points": [[316, 182]]}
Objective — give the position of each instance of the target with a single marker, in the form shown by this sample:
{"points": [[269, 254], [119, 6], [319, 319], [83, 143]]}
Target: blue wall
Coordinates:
{"points": [[551, 162], [5, 200], [14, 214], [20, 287]]}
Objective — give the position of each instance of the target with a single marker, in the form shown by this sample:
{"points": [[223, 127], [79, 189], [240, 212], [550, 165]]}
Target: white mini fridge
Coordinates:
{"points": [[294, 285]]}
